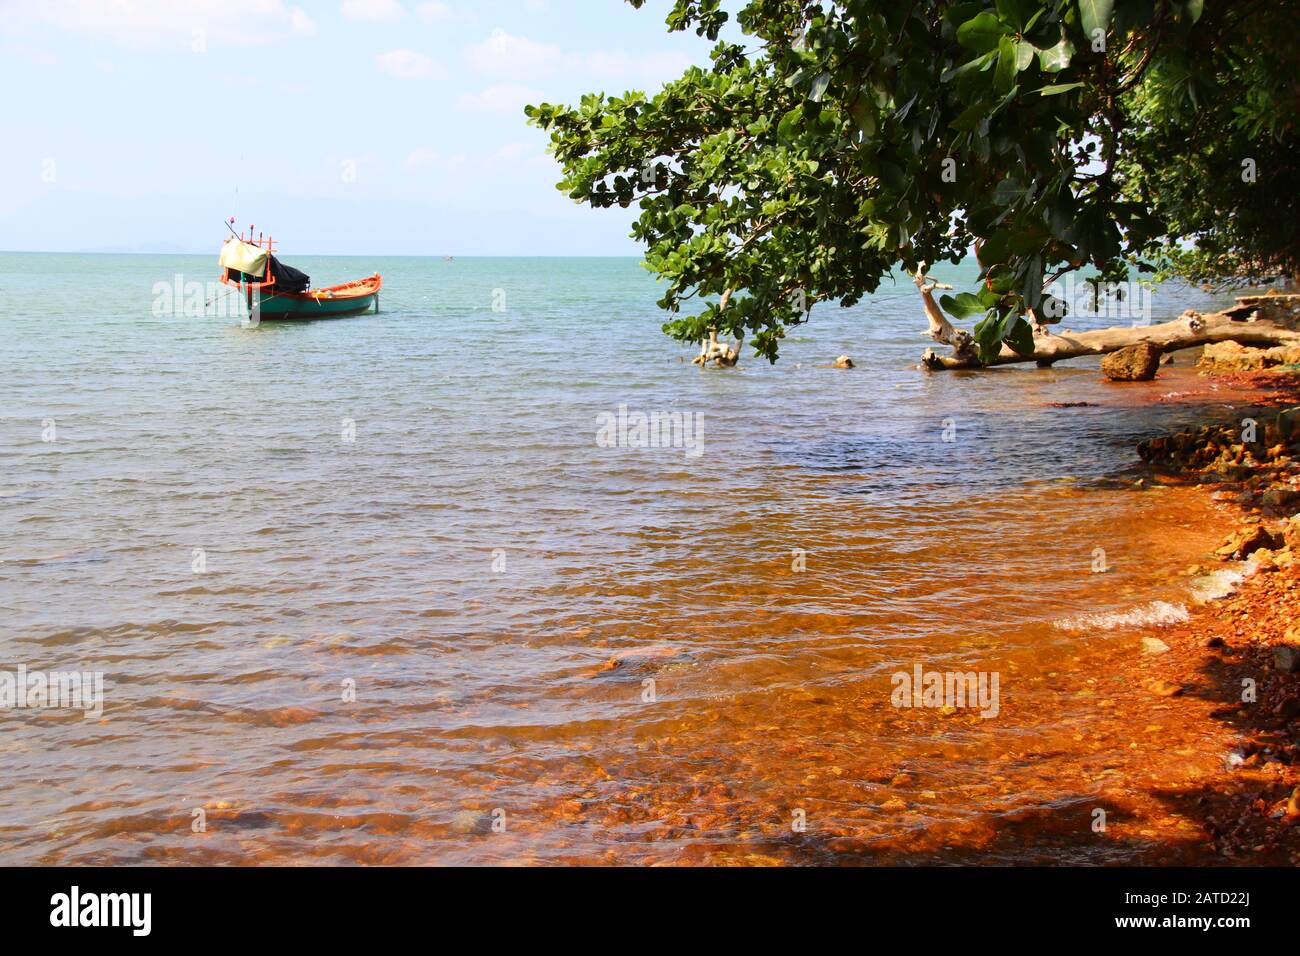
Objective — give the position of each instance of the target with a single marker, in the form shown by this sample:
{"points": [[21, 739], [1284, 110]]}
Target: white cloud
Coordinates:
{"points": [[301, 22], [511, 151], [422, 157], [504, 98], [522, 154], [153, 22], [407, 64], [617, 65], [507, 56], [29, 54], [382, 10], [433, 11]]}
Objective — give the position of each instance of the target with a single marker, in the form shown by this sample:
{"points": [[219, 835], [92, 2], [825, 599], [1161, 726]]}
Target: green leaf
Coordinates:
{"points": [[1024, 54], [819, 86], [1193, 9], [1004, 76], [988, 334], [788, 128], [1021, 337], [970, 117], [976, 64], [1008, 192], [982, 33], [864, 116], [1058, 88], [1017, 12], [1095, 15], [1002, 279], [1033, 288], [963, 306], [1057, 58]]}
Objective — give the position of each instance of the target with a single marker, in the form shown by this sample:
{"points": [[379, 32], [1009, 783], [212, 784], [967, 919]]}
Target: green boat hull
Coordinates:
{"points": [[297, 309]]}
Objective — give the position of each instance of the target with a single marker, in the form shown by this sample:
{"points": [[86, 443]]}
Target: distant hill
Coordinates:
{"points": [[149, 248]]}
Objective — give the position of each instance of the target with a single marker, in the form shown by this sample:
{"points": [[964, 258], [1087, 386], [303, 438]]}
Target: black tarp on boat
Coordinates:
{"points": [[287, 278]]}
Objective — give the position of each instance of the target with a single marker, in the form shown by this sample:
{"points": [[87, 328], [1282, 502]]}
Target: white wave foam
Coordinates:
{"points": [[1158, 613], [1216, 585]]}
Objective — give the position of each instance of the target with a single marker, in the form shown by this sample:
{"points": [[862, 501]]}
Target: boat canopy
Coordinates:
{"points": [[239, 256], [251, 262]]}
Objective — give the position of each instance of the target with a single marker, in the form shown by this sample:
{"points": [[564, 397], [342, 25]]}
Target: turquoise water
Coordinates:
{"points": [[238, 525]]}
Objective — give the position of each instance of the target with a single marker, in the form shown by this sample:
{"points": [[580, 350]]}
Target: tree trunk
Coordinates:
{"points": [[717, 352], [941, 330], [714, 351], [1264, 320]]}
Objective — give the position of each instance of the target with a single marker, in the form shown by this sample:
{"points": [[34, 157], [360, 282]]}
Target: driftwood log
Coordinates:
{"points": [[1261, 320]]}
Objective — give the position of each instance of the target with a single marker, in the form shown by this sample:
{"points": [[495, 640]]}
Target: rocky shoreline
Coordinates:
{"points": [[1240, 649]]}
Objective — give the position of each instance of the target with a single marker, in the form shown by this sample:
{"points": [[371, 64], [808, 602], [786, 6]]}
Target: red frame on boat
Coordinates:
{"points": [[268, 277]]}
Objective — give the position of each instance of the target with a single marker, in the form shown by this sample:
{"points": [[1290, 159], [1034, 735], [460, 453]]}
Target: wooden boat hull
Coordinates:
{"points": [[335, 302]]}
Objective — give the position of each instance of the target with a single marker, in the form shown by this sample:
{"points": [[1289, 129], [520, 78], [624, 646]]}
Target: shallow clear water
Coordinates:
{"points": [[496, 590]]}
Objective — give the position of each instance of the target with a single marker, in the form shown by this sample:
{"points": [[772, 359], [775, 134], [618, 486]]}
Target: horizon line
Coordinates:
{"points": [[336, 255]]}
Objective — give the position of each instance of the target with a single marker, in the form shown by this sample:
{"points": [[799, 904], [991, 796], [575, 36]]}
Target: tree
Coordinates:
{"points": [[1218, 119], [842, 140]]}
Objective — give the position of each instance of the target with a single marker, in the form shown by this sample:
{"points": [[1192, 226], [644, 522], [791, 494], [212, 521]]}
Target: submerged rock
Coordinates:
{"points": [[844, 362], [471, 823], [1137, 363], [1165, 688]]}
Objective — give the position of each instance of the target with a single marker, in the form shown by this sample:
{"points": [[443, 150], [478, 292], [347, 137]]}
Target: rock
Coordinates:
{"points": [[1137, 363], [1293, 804], [1281, 499], [1245, 542], [1232, 357], [1215, 641], [1288, 710], [1165, 688], [844, 362], [1286, 658], [1153, 645], [1285, 354], [1167, 360], [1291, 534], [467, 822]]}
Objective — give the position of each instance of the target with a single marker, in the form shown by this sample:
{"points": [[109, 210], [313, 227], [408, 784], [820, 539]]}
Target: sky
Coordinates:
{"points": [[368, 127]]}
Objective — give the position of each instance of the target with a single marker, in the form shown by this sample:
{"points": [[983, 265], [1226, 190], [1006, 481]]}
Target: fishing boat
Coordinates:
{"points": [[274, 291]]}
